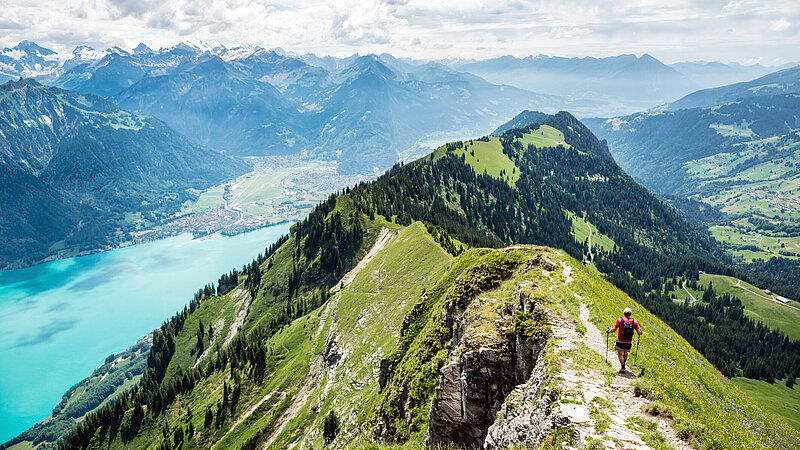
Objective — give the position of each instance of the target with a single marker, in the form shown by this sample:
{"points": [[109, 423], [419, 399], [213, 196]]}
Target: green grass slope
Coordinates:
{"points": [[328, 359], [677, 378], [780, 400], [484, 156]]}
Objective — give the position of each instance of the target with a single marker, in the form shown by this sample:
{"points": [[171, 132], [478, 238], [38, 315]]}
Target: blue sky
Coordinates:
{"points": [[728, 30]]}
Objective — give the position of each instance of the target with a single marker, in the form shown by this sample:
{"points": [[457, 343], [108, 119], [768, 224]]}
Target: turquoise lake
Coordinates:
{"points": [[59, 320]]}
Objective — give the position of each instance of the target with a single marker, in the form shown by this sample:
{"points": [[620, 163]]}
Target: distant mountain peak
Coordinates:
{"points": [[371, 63], [142, 49], [118, 51], [32, 47], [85, 52]]}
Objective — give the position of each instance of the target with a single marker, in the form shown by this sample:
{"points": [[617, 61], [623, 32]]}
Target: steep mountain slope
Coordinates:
{"points": [[739, 158], [621, 84], [76, 164], [106, 77], [220, 107], [380, 361], [786, 81], [303, 345], [656, 147], [387, 113]]}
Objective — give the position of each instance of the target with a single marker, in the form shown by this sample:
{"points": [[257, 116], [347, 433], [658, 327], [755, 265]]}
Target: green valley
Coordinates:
{"points": [[730, 167]]}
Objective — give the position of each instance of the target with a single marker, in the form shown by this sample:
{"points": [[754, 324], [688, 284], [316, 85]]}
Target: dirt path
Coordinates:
{"points": [[298, 400], [240, 313], [591, 254], [383, 238], [218, 325], [600, 410], [687, 291], [312, 380], [739, 285], [247, 414]]}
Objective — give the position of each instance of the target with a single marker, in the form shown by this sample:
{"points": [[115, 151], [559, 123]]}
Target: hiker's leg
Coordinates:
{"points": [[620, 355], [624, 358]]}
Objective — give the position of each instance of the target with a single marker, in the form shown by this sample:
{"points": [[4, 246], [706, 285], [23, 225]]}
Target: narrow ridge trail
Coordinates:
{"points": [[600, 410]]}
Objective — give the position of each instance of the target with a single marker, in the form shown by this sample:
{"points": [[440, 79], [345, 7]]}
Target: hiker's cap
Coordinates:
{"points": [[628, 311]]}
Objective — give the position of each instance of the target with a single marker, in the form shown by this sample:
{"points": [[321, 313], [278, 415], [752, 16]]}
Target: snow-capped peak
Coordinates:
{"points": [[84, 52]]}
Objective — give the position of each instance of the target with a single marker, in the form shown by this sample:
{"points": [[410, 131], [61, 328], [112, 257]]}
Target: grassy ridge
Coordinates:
{"points": [[681, 380], [544, 136]]}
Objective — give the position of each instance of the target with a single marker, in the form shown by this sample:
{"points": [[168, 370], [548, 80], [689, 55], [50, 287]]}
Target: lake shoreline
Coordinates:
{"points": [[65, 316]]}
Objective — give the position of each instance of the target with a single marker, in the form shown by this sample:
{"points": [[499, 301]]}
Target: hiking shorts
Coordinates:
{"points": [[623, 345]]}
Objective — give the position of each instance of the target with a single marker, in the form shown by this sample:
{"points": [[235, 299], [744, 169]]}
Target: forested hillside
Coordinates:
{"points": [[73, 165], [662, 149], [732, 168], [255, 361]]}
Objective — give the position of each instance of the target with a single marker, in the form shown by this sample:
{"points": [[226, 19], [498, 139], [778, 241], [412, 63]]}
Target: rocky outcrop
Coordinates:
{"points": [[491, 358], [527, 415]]}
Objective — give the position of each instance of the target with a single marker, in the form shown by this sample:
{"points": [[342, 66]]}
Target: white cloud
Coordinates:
{"points": [[780, 25], [671, 31]]}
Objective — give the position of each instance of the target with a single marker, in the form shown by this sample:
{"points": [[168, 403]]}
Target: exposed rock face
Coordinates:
{"points": [[385, 370], [527, 415], [490, 361]]}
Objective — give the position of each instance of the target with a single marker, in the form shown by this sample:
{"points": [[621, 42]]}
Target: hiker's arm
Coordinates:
{"points": [[611, 330]]}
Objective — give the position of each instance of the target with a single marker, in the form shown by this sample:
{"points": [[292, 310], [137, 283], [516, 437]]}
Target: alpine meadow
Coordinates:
{"points": [[399, 225]]}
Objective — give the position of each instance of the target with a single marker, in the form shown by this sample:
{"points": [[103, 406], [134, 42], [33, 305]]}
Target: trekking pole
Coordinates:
{"points": [[606, 344], [636, 355]]}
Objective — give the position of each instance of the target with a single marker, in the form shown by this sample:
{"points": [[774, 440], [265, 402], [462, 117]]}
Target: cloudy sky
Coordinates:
{"points": [[673, 30]]}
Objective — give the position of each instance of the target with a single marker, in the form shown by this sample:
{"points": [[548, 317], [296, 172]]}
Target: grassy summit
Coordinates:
{"points": [[484, 156]]}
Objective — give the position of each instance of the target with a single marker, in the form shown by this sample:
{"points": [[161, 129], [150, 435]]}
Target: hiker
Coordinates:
{"points": [[626, 326]]}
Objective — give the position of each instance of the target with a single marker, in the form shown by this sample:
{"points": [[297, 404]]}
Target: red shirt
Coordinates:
{"points": [[619, 328]]}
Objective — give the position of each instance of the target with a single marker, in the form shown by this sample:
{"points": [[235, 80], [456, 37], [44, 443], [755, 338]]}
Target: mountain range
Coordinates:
{"points": [[786, 81], [74, 165], [756, 120], [253, 101], [456, 300]]}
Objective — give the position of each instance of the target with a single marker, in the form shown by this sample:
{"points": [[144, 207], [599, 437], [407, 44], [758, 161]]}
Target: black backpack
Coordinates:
{"points": [[627, 329]]}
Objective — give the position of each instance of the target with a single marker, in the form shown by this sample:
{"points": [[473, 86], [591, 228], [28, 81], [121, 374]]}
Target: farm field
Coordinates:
{"points": [[769, 246], [758, 185]]}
